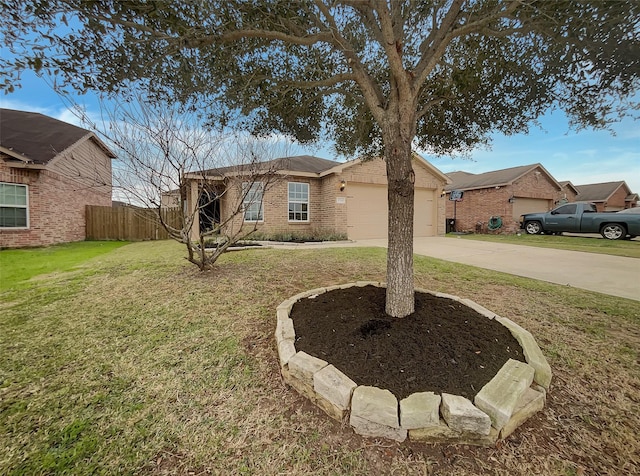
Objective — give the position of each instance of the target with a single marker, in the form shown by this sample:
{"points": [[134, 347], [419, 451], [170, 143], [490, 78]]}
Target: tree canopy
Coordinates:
{"points": [[375, 76], [307, 67]]}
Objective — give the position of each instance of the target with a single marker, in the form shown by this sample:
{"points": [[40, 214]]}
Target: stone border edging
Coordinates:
{"points": [[516, 392]]}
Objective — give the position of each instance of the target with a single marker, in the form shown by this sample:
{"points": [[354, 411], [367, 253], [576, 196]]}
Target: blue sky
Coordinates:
{"points": [[581, 157]]}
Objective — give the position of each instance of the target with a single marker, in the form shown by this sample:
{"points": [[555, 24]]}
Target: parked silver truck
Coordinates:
{"points": [[582, 217]]}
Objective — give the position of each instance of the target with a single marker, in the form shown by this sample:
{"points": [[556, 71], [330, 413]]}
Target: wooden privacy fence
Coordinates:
{"points": [[128, 223]]}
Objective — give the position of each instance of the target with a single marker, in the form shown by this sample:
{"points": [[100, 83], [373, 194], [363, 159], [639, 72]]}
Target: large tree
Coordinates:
{"points": [[376, 76]]}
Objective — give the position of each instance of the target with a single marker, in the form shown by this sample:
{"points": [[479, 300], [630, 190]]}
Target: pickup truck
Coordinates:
{"points": [[582, 217]]}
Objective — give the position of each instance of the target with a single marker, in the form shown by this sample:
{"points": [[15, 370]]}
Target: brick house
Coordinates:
{"points": [[310, 195], [608, 196], [495, 200], [49, 172]]}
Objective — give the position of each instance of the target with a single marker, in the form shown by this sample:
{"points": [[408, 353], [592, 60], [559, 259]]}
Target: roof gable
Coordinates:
{"points": [[495, 178], [568, 184], [599, 192], [35, 138], [414, 156]]}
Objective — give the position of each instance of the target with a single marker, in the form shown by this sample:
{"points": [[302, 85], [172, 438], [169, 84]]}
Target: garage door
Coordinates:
{"points": [[367, 212], [529, 205]]}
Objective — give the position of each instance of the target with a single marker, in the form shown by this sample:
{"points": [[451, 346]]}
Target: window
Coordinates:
{"points": [[298, 201], [566, 210], [252, 202], [13, 206]]}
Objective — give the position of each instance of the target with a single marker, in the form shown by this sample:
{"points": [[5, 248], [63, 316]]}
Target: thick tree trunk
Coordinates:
{"points": [[400, 300]]}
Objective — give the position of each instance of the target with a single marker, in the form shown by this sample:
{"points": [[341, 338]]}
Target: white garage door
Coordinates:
{"points": [[367, 211], [529, 205]]}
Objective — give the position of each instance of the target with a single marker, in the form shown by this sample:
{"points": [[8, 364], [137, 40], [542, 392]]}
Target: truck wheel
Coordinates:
{"points": [[533, 227], [613, 231]]}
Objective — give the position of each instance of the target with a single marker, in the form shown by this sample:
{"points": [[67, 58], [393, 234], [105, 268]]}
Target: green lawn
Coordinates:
{"points": [[629, 248], [19, 266], [137, 363]]}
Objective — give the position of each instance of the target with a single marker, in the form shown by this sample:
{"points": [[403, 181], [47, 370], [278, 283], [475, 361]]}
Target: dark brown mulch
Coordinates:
{"points": [[444, 346]]}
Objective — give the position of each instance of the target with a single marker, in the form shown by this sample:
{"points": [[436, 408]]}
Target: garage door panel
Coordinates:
{"points": [[367, 212], [529, 205]]}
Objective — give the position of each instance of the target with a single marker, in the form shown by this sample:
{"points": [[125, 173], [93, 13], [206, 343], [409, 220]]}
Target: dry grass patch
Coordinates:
{"points": [[141, 364]]}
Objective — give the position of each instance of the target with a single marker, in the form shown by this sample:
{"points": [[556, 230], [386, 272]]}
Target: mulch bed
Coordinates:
{"points": [[443, 347]]}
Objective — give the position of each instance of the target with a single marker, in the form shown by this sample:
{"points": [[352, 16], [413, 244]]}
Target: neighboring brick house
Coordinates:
{"points": [[497, 199], [49, 172], [311, 195], [608, 196]]}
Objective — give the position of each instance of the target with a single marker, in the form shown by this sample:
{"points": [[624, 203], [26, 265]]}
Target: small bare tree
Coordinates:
{"points": [[213, 183]]}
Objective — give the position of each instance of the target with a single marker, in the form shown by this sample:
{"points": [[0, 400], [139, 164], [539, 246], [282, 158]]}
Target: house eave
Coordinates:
{"points": [[25, 165], [497, 185], [14, 155], [284, 173], [509, 182]]}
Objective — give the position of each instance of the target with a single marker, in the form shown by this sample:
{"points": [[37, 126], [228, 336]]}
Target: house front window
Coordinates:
{"points": [[252, 202], [298, 201], [14, 208]]}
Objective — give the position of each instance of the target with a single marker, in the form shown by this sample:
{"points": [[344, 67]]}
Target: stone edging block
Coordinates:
{"points": [[499, 397], [529, 404], [302, 366], [531, 351], [420, 410], [335, 386], [462, 416], [375, 412], [286, 350]]}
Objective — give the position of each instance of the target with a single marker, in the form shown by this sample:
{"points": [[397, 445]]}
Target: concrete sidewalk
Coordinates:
{"points": [[614, 275]]}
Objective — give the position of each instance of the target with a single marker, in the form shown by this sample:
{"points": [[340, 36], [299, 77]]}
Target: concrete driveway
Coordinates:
{"points": [[614, 275]]}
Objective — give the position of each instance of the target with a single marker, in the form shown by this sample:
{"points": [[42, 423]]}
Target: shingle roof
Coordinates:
{"points": [[495, 178], [300, 163], [598, 192], [37, 138]]}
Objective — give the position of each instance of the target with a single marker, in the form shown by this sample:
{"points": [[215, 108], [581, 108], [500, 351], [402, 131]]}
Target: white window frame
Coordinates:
{"points": [[297, 201], [249, 201], [13, 205]]}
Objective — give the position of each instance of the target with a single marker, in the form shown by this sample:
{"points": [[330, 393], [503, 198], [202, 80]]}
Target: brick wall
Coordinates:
{"points": [[322, 219], [334, 212], [569, 194], [57, 200], [615, 202]]}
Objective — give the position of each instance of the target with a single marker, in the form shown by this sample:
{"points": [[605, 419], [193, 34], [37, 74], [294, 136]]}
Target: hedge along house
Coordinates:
{"points": [[315, 196], [49, 172], [494, 201], [608, 196]]}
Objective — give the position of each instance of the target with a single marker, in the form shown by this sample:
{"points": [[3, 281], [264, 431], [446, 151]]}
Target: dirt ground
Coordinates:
{"points": [[443, 347]]}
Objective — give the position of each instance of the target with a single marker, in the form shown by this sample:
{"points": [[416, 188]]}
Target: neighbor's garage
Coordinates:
{"points": [[367, 211], [523, 205]]}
